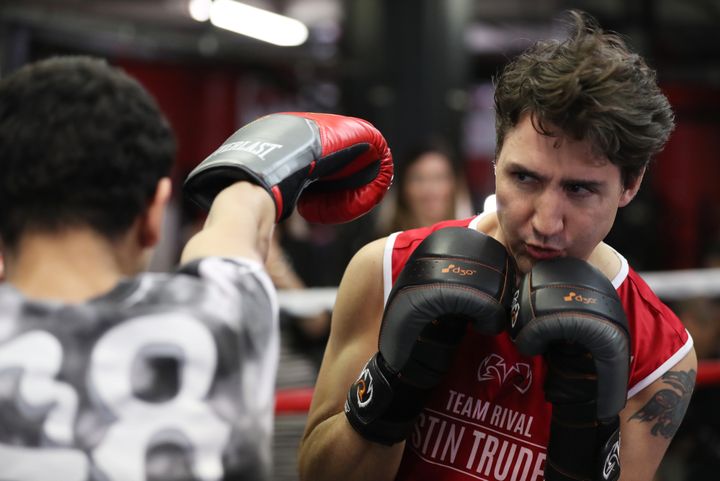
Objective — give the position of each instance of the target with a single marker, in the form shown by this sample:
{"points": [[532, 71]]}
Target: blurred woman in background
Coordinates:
{"points": [[428, 189]]}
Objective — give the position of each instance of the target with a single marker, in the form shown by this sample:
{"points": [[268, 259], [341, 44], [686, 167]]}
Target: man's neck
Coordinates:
{"points": [[71, 266]]}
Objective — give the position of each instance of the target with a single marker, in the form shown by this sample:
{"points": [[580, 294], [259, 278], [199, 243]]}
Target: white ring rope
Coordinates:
{"points": [[683, 284], [668, 285]]}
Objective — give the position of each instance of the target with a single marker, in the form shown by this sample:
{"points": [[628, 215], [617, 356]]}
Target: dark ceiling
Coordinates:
{"points": [[681, 35]]}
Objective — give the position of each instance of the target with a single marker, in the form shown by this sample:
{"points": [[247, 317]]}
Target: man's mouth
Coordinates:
{"points": [[541, 253]]}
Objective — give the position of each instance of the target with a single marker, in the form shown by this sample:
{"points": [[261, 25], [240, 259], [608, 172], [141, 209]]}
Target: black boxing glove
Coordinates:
{"points": [[335, 168], [455, 276], [570, 312]]}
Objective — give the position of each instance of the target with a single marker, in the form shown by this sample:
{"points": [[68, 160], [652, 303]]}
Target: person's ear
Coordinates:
{"points": [[152, 220], [630, 189]]}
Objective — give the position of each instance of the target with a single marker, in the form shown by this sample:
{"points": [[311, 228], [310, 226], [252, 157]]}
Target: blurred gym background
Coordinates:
{"points": [[415, 68], [419, 70]]}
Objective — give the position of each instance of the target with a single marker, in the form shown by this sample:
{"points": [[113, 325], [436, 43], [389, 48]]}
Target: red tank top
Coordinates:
{"points": [[489, 420]]}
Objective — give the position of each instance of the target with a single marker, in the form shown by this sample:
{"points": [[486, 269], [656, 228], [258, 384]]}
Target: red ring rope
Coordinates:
{"points": [[297, 400]]}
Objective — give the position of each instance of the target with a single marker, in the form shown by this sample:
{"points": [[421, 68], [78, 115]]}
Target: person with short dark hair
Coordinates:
{"points": [[419, 380], [110, 373]]}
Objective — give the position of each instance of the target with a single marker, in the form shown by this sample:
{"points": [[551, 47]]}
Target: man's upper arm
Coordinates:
{"points": [[353, 334], [651, 418]]}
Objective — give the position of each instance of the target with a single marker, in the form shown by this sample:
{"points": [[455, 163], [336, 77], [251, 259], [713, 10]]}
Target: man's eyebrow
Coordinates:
{"points": [[586, 183], [518, 167], [515, 166]]}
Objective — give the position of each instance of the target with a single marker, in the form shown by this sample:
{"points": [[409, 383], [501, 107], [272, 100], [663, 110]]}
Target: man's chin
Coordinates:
{"points": [[524, 263]]}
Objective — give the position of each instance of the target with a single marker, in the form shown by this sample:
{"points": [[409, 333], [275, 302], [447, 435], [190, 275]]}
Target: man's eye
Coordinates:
{"points": [[522, 177], [578, 189]]}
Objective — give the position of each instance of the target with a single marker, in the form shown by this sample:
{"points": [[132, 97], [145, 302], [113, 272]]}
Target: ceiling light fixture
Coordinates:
{"points": [[200, 9], [256, 23]]}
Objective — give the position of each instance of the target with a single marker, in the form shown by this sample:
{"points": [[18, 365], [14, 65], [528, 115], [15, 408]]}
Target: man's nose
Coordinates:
{"points": [[549, 216]]}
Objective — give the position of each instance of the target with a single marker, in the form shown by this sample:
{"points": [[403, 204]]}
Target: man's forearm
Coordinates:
{"points": [[334, 451], [240, 223]]}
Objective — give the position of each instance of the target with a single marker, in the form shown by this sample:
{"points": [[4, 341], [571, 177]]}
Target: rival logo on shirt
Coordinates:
{"points": [[494, 367]]}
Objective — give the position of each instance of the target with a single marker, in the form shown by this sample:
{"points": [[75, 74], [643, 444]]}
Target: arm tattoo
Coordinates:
{"points": [[667, 406]]}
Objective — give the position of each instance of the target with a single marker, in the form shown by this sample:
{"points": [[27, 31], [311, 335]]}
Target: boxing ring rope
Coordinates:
{"points": [[293, 400], [668, 285], [297, 400], [682, 284]]}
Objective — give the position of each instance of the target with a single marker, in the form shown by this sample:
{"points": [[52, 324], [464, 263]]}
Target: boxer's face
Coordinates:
{"points": [[555, 197]]}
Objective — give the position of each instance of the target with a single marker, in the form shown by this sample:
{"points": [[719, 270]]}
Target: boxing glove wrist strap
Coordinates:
{"points": [[582, 449], [380, 407]]}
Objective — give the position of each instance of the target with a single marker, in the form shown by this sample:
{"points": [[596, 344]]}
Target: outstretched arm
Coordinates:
{"points": [[239, 224]]}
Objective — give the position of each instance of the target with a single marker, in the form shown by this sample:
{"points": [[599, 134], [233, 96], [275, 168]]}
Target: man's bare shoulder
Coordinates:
{"points": [[607, 260], [359, 303], [363, 278], [371, 255], [488, 223]]}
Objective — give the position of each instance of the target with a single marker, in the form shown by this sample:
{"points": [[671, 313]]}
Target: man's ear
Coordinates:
{"points": [[152, 220], [631, 189]]}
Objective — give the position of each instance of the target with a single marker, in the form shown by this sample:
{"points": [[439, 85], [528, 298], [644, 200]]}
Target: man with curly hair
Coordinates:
{"points": [[578, 121]]}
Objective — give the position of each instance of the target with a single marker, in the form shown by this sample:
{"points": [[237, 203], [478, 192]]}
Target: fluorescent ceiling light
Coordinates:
{"points": [[258, 23], [200, 10]]}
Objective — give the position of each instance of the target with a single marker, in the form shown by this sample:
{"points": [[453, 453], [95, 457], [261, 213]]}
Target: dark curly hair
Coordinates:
{"points": [[590, 86], [81, 144]]}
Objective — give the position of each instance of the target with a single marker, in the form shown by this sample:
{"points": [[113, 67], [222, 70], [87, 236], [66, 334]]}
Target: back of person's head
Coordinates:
{"points": [[590, 86], [82, 144]]}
